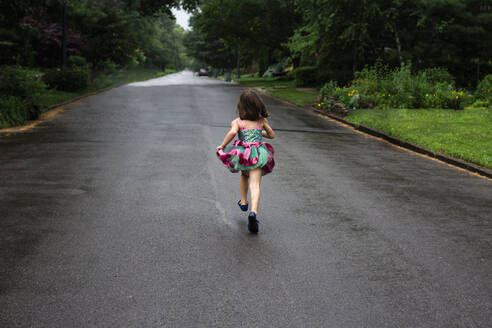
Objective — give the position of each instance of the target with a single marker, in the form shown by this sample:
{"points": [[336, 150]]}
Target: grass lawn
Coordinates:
{"points": [[101, 81], [465, 134], [300, 97], [264, 82], [280, 88]]}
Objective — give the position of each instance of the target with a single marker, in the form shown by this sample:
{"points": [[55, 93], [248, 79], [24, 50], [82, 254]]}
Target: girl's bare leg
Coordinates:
{"points": [[254, 188], [243, 186]]}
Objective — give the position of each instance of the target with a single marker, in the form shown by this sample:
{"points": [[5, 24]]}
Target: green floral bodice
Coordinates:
{"points": [[250, 135]]}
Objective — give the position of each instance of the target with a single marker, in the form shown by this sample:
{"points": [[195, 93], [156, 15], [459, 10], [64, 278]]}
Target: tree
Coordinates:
{"points": [[253, 27]]}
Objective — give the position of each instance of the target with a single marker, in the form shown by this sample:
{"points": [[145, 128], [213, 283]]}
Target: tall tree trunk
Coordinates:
{"points": [[64, 36], [398, 43], [238, 66]]}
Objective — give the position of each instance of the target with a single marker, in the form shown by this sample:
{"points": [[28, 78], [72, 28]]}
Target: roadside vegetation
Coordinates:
{"points": [[281, 87], [464, 134], [52, 50]]}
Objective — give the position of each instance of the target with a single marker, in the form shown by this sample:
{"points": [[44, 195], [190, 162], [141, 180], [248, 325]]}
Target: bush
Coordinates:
{"points": [[306, 76], [108, 66], [484, 91], [21, 83], [73, 79], [77, 62], [328, 90], [378, 86], [439, 75], [13, 111]]}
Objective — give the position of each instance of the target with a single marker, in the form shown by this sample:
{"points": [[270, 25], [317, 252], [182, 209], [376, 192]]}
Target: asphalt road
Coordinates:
{"points": [[116, 213]]}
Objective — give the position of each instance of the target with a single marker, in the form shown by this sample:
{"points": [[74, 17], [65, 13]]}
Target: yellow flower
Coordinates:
{"points": [[319, 105], [457, 97], [427, 95]]}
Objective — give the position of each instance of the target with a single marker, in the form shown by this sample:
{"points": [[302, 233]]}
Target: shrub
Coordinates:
{"points": [[484, 91], [306, 76], [13, 111], [439, 75], [108, 66], [328, 89], [74, 79], [21, 83], [378, 86], [77, 62]]}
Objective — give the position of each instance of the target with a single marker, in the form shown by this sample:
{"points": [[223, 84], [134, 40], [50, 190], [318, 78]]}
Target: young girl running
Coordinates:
{"points": [[249, 154]]}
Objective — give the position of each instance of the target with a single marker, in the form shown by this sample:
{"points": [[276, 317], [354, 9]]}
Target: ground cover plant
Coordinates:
{"points": [[281, 87], [462, 134], [297, 96], [381, 87]]}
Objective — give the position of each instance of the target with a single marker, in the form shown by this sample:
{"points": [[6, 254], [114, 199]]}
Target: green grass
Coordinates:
{"points": [[464, 134], [264, 82], [280, 88], [101, 81], [51, 97], [300, 97]]}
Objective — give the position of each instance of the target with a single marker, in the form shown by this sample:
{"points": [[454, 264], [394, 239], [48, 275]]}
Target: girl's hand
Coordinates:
{"points": [[219, 148]]}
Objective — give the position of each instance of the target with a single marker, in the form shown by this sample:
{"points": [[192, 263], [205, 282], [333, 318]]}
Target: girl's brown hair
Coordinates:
{"points": [[250, 106]]}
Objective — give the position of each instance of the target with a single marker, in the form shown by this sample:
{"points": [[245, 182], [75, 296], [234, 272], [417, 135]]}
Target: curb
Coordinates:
{"points": [[413, 147]]}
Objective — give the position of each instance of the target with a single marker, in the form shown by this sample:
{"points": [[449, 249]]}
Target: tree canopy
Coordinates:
{"points": [[122, 32], [340, 37]]}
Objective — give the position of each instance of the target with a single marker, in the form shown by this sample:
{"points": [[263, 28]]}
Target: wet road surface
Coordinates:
{"points": [[116, 213]]}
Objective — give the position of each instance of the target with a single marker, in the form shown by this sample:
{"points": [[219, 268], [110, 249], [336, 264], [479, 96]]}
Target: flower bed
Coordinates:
{"points": [[380, 87]]}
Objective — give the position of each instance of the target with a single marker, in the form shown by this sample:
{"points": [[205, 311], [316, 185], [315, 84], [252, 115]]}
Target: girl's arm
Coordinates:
{"points": [[268, 132], [230, 135]]}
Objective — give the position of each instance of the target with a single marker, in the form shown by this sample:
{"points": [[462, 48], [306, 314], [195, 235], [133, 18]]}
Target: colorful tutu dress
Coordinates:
{"points": [[248, 152]]}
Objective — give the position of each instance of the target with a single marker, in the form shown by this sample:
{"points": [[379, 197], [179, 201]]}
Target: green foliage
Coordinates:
{"points": [[77, 62], [20, 90], [306, 76], [22, 83], [439, 75], [381, 87], [73, 79], [13, 111], [347, 35], [257, 29], [328, 90], [484, 91], [108, 66]]}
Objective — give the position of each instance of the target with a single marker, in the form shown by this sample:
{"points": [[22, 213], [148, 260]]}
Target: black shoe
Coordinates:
{"points": [[243, 208], [252, 223]]}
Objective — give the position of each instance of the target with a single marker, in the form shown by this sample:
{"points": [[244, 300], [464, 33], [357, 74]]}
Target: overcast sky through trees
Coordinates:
{"points": [[181, 18]]}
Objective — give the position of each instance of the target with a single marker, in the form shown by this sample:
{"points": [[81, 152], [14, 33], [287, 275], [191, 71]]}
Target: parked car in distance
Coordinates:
{"points": [[203, 72]]}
